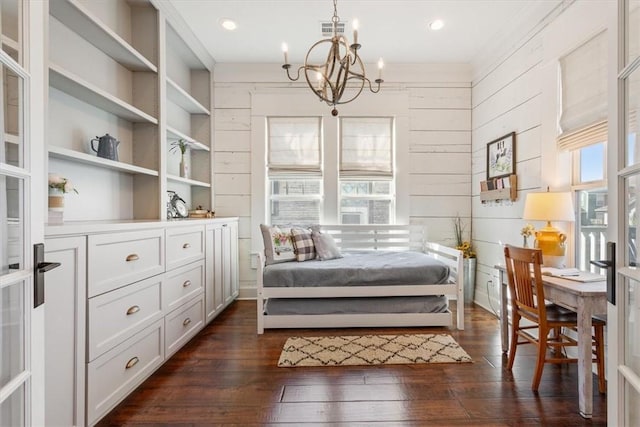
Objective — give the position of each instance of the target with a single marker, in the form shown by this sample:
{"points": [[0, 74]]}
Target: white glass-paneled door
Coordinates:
{"points": [[623, 324], [21, 211]]}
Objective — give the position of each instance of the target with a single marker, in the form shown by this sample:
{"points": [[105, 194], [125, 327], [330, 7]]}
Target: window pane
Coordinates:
{"points": [[294, 142], [12, 410], [592, 228], [295, 201], [363, 211], [11, 129], [11, 224], [633, 42], [632, 88], [358, 188], [592, 163], [11, 11], [295, 212], [12, 336], [631, 195]]}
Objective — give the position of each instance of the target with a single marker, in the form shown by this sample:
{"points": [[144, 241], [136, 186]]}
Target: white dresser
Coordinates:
{"points": [[126, 298]]}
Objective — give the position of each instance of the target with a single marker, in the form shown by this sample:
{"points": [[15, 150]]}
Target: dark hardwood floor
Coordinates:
{"points": [[227, 375]]}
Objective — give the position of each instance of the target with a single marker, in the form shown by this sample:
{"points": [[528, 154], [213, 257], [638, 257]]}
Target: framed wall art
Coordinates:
{"points": [[501, 156]]}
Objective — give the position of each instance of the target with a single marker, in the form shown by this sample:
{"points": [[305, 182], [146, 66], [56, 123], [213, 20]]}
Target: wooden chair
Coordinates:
{"points": [[527, 297]]}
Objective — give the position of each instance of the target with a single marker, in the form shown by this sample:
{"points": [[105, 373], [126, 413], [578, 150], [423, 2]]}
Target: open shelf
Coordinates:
{"points": [[195, 145], [74, 15], [73, 85], [181, 97], [188, 181], [66, 154]]}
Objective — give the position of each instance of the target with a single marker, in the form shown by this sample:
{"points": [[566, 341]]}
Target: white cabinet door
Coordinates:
{"points": [[65, 332], [213, 271]]}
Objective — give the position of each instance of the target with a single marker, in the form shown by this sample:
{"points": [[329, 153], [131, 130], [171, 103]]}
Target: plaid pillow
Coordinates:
{"points": [[303, 244]]}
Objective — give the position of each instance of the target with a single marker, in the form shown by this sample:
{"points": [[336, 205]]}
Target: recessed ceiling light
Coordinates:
{"points": [[228, 24], [436, 25]]}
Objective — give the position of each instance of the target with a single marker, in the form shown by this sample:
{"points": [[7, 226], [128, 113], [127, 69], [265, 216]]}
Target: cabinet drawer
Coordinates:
{"points": [[184, 245], [116, 373], [116, 315], [183, 323], [118, 259], [182, 284]]}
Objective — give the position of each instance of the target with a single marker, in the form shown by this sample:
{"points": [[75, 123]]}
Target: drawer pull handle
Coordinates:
{"points": [[186, 322], [224, 225], [132, 362], [186, 284], [133, 257], [133, 310], [186, 246]]}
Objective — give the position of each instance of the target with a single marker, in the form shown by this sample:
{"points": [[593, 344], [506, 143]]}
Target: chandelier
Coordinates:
{"points": [[342, 72]]}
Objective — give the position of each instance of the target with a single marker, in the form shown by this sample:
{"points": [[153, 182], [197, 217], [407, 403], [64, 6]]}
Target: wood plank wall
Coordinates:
{"points": [[519, 93], [439, 148]]}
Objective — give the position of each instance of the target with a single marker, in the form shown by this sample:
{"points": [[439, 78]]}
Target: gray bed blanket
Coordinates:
{"points": [[374, 268]]}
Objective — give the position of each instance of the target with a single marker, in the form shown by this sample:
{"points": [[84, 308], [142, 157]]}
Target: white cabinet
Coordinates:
{"points": [[115, 310], [65, 299], [221, 281]]}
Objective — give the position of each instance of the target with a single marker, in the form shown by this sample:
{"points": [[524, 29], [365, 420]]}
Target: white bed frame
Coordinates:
{"points": [[371, 237]]}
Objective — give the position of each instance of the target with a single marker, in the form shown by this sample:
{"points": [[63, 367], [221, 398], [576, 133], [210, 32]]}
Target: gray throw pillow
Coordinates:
{"points": [[326, 247]]}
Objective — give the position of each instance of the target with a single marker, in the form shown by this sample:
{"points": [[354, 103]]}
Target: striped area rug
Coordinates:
{"points": [[371, 350]]}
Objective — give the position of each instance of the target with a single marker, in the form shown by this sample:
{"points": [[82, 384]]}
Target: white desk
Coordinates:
{"points": [[586, 299]]}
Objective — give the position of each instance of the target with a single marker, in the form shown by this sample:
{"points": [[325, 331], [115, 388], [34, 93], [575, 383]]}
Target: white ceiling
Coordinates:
{"points": [[393, 29]]}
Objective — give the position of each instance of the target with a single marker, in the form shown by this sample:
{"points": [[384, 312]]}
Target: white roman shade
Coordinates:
{"points": [[584, 95], [366, 147], [294, 146]]}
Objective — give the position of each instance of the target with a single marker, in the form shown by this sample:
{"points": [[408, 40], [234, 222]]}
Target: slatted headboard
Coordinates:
{"points": [[378, 237]]}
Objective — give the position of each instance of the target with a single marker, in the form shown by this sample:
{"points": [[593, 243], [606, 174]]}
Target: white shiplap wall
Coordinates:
{"points": [[520, 93], [438, 157]]}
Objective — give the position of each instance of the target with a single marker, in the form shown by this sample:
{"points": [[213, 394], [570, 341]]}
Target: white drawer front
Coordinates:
{"points": [[118, 259], [117, 315], [183, 284], [184, 245], [183, 323], [116, 373]]}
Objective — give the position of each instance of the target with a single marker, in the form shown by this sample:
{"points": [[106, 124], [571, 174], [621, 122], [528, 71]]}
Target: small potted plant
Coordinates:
{"points": [[527, 231], [182, 145], [58, 187]]}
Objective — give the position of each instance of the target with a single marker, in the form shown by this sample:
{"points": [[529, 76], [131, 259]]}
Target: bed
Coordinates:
{"points": [[353, 292]]}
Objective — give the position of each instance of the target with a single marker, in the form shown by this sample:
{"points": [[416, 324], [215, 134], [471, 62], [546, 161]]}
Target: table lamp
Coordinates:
{"points": [[550, 206]]}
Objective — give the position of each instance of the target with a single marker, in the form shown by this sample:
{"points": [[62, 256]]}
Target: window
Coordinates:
{"points": [[294, 166], [583, 125], [367, 190], [589, 181]]}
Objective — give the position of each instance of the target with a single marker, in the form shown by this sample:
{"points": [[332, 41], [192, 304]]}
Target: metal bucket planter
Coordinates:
{"points": [[469, 275]]}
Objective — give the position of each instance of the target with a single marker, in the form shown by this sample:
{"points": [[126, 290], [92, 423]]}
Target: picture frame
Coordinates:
{"points": [[501, 156]]}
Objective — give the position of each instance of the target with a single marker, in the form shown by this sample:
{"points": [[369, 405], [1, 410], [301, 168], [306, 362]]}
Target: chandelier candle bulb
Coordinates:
{"points": [[355, 31], [380, 67], [285, 50]]}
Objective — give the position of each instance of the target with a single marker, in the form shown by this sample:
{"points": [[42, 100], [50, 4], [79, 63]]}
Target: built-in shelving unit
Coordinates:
{"points": [[188, 181], [188, 88], [75, 86], [105, 76], [174, 134], [180, 97], [88, 159], [75, 16]]}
